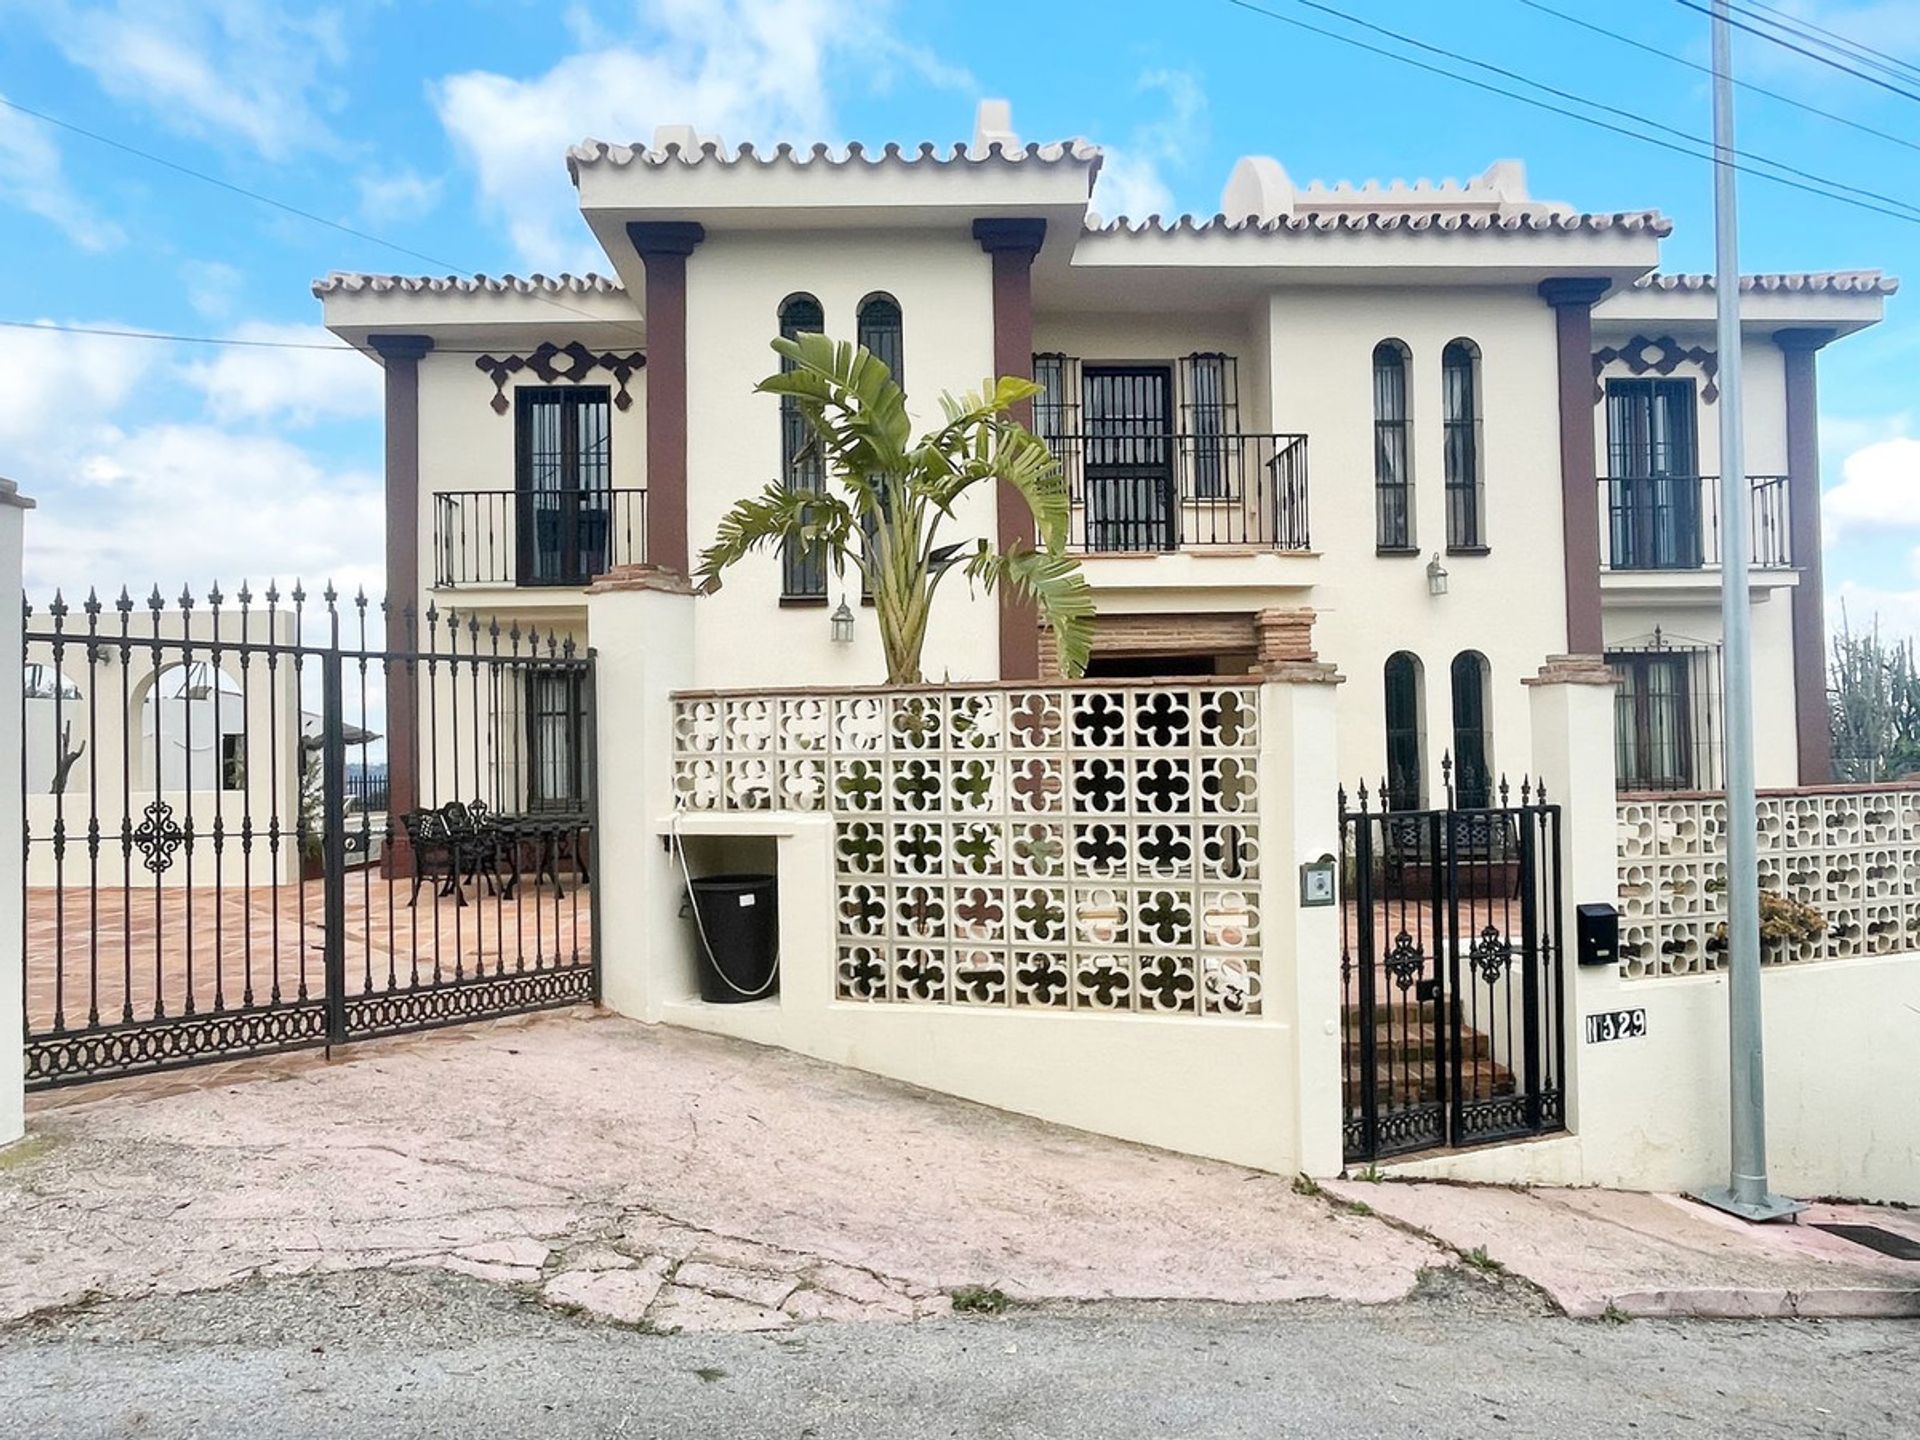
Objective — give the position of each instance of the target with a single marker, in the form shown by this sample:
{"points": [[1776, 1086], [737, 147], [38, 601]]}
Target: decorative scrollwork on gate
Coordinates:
{"points": [[1404, 961], [158, 836], [1491, 955]]}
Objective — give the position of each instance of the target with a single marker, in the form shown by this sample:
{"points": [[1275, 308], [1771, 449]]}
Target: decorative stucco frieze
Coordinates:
{"points": [[568, 364], [1661, 356]]}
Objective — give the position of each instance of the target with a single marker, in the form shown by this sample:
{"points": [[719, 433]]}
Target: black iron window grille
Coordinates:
{"points": [[1655, 514], [1460, 395], [880, 328], [563, 483], [1210, 414], [1405, 740], [1392, 449], [1472, 735], [803, 570], [1666, 712]]}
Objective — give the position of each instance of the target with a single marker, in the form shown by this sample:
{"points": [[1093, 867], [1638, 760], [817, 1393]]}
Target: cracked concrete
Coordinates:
{"points": [[648, 1176]]}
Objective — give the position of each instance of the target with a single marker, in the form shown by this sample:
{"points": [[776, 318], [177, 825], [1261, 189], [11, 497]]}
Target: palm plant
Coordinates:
{"points": [[892, 494]]}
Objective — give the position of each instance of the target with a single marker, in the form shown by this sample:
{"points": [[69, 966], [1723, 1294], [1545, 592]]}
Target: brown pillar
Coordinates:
{"points": [[1813, 718], [401, 356], [663, 246], [1572, 297], [1012, 244]]}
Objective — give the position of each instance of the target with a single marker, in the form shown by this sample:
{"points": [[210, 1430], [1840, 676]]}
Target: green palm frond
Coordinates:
{"points": [[1057, 588], [817, 522], [891, 494]]}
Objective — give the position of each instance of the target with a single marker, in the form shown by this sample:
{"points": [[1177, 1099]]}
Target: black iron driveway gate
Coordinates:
{"points": [[1450, 972], [227, 856]]}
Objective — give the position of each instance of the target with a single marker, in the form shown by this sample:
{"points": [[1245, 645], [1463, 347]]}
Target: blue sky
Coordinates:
{"points": [[441, 127]]}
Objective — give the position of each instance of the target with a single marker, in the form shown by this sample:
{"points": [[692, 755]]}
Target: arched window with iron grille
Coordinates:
{"points": [[803, 576], [1405, 738], [1472, 732], [1392, 448], [1460, 396]]}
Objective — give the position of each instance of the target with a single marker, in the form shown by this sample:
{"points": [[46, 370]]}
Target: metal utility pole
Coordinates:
{"points": [[1746, 1193]]}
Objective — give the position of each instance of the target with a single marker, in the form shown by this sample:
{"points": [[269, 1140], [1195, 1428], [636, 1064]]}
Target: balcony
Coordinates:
{"points": [[535, 537], [1140, 490], [1651, 524]]}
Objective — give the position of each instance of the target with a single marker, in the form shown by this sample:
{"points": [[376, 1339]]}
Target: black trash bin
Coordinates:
{"points": [[738, 931]]}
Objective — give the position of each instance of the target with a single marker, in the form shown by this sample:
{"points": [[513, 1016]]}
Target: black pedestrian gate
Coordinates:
{"points": [[1450, 972], [260, 824]]}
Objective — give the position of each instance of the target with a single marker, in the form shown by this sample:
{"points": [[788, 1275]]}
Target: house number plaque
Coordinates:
{"points": [[1605, 1025]]}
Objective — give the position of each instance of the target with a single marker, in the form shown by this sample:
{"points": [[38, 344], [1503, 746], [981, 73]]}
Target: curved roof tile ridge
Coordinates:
{"points": [[1830, 282], [1440, 218], [357, 283], [596, 152]]}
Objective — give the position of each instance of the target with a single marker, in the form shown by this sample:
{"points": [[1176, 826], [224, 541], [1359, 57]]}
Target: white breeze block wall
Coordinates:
{"points": [[1134, 963]]}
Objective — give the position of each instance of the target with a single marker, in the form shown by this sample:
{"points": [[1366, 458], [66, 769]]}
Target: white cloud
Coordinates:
{"points": [[193, 502], [125, 502], [60, 387], [1895, 612], [291, 387], [1879, 490], [742, 70], [31, 177], [397, 195], [213, 287], [1131, 182], [256, 71]]}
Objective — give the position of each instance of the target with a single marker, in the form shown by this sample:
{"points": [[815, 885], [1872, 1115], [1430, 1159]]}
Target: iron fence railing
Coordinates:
{"points": [[535, 537], [1140, 489], [1672, 522]]}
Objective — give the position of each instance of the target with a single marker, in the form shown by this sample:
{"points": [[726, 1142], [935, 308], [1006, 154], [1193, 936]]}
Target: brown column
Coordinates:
{"points": [[1012, 244], [401, 356], [1572, 298], [1812, 716], [663, 246]]}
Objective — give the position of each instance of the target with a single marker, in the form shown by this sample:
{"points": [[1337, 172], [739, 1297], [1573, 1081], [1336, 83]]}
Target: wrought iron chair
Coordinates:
{"points": [[433, 852]]}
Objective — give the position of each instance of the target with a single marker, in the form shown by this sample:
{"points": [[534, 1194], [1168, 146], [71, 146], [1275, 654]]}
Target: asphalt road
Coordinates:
{"points": [[385, 1354]]}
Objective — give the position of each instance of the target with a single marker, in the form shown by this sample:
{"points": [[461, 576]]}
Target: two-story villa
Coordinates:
{"points": [[1466, 429]]}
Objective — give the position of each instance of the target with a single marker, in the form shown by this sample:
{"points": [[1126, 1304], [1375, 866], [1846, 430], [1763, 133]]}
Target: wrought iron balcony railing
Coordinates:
{"points": [[1135, 488], [1672, 522], [535, 537]]}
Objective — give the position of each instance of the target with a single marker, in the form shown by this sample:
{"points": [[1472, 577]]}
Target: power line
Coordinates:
{"points": [[1703, 153], [109, 332], [1605, 108], [268, 200], [1827, 60], [1880, 60], [1695, 65]]}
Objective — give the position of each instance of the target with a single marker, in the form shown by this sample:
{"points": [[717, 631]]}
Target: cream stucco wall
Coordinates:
{"points": [[735, 285], [466, 445], [1693, 617], [1508, 604]]}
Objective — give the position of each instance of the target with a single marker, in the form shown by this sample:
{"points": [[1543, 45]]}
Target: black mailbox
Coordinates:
{"points": [[1597, 932]]}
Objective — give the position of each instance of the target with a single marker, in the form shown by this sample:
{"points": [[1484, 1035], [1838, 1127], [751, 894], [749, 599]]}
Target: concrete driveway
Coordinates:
{"points": [[648, 1176]]}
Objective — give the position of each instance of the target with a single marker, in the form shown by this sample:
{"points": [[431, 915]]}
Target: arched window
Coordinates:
{"points": [[1472, 732], [1460, 391], [1405, 740], [879, 329], [803, 575], [1392, 449]]}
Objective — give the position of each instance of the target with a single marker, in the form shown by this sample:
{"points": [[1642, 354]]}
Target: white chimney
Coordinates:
{"points": [[992, 122]]}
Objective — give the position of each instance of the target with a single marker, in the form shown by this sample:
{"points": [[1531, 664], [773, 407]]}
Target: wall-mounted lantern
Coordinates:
{"points": [[1436, 576], [841, 623]]}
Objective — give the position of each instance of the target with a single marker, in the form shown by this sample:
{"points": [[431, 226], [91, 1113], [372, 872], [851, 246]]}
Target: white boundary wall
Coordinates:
{"points": [[1256, 1091], [1651, 1112], [13, 1058]]}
